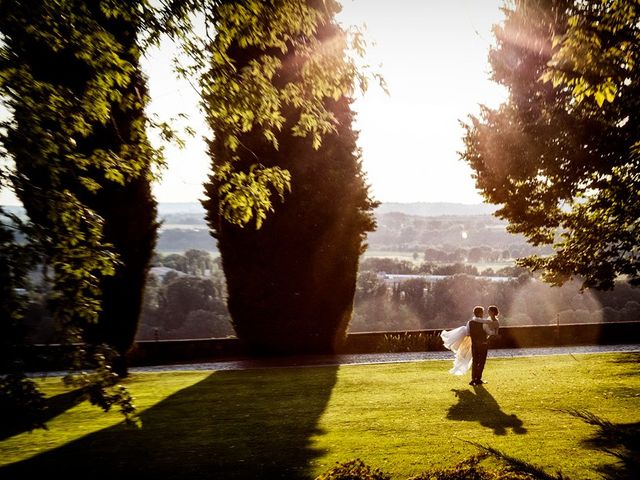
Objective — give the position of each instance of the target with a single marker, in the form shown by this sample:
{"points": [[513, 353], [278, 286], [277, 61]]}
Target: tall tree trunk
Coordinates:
{"points": [[40, 140]]}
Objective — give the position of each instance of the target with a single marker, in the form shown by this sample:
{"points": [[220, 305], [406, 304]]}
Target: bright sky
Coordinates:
{"points": [[434, 55], [434, 60]]}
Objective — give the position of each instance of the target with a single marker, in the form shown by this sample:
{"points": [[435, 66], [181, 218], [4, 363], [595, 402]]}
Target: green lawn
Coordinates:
{"points": [[296, 422]]}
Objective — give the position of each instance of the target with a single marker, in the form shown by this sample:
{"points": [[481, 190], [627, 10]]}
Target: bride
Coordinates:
{"points": [[459, 341]]}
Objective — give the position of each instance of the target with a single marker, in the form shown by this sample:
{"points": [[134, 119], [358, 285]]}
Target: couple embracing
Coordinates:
{"points": [[470, 343]]}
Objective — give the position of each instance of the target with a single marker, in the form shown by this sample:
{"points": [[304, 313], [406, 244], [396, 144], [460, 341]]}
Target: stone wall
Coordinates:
{"points": [[48, 357]]}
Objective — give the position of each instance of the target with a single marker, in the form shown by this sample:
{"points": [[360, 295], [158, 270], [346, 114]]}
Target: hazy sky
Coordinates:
{"points": [[434, 59]]}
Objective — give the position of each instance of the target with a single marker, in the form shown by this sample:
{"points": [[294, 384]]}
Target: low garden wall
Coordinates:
{"points": [[509, 337], [167, 351], [161, 352]]}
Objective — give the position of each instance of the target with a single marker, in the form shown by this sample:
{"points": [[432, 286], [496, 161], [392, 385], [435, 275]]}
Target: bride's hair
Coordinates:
{"points": [[493, 309]]}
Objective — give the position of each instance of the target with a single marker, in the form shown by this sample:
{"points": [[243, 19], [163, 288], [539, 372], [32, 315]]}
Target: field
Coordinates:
{"points": [[297, 422], [409, 256]]}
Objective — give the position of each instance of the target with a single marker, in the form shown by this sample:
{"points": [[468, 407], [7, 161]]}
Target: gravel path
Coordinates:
{"points": [[374, 358]]}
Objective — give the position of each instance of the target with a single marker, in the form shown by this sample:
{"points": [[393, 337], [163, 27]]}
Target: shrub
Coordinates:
{"points": [[353, 470], [507, 468], [410, 342], [433, 342]]}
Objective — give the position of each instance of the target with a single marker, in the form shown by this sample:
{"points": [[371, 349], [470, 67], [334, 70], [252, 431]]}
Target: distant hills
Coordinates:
{"points": [[422, 209], [411, 227], [430, 209], [168, 208]]}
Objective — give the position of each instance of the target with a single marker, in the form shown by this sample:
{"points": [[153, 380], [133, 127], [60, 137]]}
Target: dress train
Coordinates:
{"points": [[459, 342]]}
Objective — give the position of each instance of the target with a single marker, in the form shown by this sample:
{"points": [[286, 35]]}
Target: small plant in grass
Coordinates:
{"points": [[470, 469], [353, 470], [517, 465]]}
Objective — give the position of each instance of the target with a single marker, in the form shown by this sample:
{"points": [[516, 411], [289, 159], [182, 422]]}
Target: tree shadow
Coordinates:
{"points": [[629, 357], [633, 359], [621, 440], [480, 406], [54, 406], [231, 425]]}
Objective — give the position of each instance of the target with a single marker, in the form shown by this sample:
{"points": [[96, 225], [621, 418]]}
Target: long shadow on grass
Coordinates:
{"points": [[255, 424], [620, 440], [632, 359], [54, 406], [480, 406]]}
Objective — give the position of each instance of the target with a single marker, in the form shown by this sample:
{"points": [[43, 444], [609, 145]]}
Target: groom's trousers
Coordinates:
{"points": [[479, 350]]}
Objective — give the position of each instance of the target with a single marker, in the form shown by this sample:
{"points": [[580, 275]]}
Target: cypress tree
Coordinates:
{"points": [[129, 209], [82, 158], [291, 278]]}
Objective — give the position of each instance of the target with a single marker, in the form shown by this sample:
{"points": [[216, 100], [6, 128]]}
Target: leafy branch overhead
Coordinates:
{"points": [[246, 195], [598, 52], [261, 93]]}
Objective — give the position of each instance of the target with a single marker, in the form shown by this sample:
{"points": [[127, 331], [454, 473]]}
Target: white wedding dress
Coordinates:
{"points": [[459, 342]]}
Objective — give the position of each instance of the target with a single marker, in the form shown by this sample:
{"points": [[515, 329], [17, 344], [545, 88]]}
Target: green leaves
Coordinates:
{"points": [[101, 387], [598, 53], [560, 155], [285, 77], [247, 196], [69, 76]]}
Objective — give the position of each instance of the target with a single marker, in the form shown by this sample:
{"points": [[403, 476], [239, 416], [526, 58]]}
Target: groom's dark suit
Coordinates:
{"points": [[479, 349]]}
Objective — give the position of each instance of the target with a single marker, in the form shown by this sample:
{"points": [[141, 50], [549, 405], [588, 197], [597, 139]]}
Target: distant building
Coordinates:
{"points": [[160, 272]]}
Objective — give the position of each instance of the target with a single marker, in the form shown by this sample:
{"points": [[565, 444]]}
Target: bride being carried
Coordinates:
{"points": [[459, 341]]}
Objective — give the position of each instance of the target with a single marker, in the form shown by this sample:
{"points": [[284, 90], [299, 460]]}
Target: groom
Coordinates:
{"points": [[479, 346]]}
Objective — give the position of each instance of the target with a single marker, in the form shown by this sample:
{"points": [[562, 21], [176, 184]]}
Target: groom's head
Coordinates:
{"points": [[478, 312]]}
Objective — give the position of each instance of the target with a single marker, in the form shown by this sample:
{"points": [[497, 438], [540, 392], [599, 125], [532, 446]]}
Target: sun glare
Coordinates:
{"points": [[537, 303], [433, 56]]}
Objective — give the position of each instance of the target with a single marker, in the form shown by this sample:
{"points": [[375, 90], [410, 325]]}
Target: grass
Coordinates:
{"points": [[297, 422]]}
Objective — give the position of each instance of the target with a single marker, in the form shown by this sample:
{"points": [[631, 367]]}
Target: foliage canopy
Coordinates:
{"points": [[562, 154]]}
